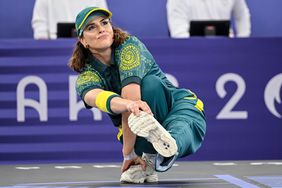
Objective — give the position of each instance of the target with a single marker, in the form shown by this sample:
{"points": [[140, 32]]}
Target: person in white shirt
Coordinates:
{"points": [[181, 12], [47, 13]]}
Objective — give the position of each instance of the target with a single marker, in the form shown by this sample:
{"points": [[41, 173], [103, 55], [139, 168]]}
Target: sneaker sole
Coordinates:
{"points": [[148, 127]]}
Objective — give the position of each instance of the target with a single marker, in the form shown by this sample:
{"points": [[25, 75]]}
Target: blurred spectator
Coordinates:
{"points": [[47, 13], [181, 12]]}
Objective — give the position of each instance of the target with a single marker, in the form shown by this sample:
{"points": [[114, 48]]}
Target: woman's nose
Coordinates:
{"points": [[101, 29]]}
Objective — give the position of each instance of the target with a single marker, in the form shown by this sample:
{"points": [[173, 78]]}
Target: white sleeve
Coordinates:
{"points": [[242, 18], [177, 17], [40, 20], [102, 4]]}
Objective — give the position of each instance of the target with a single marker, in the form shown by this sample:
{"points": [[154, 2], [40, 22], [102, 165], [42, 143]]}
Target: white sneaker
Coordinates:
{"points": [[134, 174], [151, 175], [147, 126]]}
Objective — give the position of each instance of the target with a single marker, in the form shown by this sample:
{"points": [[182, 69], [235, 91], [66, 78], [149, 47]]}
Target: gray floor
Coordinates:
{"points": [[212, 174]]}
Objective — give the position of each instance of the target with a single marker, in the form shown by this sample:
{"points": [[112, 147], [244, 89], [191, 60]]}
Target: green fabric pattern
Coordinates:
{"points": [[88, 79], [133, 59]]}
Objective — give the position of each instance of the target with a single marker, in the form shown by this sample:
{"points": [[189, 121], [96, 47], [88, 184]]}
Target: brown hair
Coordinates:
{"points": [[80, 54]]}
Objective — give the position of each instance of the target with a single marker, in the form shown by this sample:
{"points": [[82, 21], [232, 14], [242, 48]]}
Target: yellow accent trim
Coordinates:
{"points": [[101, 100], [200, 105], [94, 9], [191, 98], [119, 133]]}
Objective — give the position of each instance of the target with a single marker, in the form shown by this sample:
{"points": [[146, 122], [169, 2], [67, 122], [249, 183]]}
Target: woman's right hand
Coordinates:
{"points": [[135, 107]]}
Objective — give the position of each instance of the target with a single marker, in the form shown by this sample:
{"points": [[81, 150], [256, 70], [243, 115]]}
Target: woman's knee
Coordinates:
{"points": [[151, 83], [152, 88]]}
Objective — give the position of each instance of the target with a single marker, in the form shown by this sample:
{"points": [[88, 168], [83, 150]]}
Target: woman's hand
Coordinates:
{"points": [[136, 106], [136, 161]]}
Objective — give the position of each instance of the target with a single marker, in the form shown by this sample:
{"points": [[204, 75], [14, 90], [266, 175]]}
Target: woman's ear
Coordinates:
{"points": [[83, 42]]}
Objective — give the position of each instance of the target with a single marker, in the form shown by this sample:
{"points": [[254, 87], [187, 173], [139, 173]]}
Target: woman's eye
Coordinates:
{"points": [[90, 27], [105, 22]]}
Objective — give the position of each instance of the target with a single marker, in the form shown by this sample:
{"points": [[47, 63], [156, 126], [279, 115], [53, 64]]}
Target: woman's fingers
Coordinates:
{"points": [[136, 106], [126, 164], [145, 107], [137, 161], [142, 163]]}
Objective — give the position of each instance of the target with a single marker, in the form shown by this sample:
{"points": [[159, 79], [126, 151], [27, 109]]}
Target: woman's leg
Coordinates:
{"points": [[181, 118], [154, 92], [187, 126]]}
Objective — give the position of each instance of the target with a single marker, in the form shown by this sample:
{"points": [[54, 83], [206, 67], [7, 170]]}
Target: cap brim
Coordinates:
{"points": [[102, 10]]}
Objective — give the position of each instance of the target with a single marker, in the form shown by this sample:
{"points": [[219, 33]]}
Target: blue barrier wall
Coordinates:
{"points": [[145, 18], [239, 80]]}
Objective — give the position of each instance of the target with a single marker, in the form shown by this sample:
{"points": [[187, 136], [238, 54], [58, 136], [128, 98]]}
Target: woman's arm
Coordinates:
{"points": [[120, 105], [129, 102], [130, 92], [117, 104]]}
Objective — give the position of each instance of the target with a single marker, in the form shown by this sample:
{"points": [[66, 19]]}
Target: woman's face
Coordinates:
{"points": [[98, 34]]}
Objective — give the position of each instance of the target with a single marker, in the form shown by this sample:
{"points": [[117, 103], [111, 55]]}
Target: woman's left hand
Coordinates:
{"points": [[136, 161]]}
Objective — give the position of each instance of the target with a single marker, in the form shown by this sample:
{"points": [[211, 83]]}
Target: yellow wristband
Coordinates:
{"points": [[103, 100]]}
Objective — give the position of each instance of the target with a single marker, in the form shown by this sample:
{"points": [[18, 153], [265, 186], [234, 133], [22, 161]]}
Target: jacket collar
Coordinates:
{"points": [[98, 65]]}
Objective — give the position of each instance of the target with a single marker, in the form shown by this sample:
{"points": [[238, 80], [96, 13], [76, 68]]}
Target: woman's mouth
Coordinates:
{"points": [[103, 36]]}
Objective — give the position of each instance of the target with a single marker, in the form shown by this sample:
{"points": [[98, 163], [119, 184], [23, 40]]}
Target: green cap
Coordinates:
{"points": [[83, 17]]}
